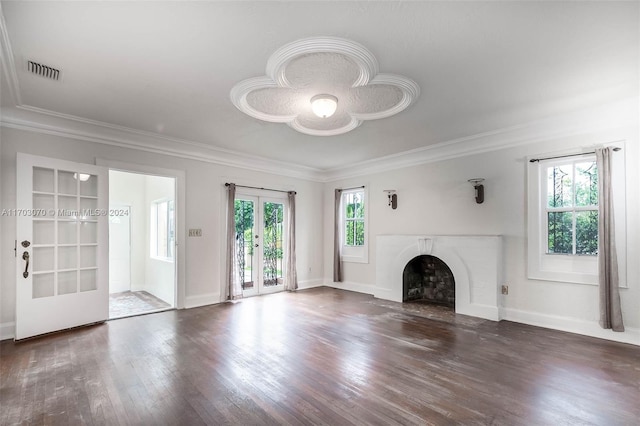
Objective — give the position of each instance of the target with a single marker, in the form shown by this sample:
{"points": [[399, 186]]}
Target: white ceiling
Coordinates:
{"points": [[168, 67]]}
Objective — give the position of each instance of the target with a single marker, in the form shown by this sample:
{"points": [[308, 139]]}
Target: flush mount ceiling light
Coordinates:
{"points": [[324, 105], [300, 75], [83, 177]]}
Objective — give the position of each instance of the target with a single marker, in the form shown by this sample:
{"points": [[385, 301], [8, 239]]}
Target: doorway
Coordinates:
{"points": [[142, 223], [260, 234]]}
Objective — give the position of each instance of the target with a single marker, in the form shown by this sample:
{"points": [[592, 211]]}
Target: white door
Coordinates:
{"points": [[62, 245], [260, 235], [119, 249]]}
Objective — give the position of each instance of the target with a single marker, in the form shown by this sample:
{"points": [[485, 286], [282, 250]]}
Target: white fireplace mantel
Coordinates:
{"points": [[475, 261]]}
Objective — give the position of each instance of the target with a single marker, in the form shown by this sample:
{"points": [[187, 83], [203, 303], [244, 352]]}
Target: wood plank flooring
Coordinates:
{"points": [[318, 356]]}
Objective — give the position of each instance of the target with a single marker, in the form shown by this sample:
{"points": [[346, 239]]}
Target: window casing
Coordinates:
{"points": [[354, 226], [562, 238], [162, 239]]}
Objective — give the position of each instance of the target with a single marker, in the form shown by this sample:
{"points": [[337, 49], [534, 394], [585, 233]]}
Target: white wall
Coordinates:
{"points": [[205, 193], [128, 189], [159, 274], [436, 199]]}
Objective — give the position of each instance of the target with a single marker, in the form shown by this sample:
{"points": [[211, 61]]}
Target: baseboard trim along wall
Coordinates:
{"points": [[351, 286], [7, 330], [201, 300], [303, 285], [571, 325]]}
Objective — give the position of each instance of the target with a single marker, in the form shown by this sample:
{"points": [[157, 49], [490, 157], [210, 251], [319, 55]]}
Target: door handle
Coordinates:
{"points": [[25, 256], [257, 245]]}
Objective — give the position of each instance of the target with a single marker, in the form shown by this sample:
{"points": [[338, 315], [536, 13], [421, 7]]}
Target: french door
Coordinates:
{"points": [[62, 245], [260, 237]]}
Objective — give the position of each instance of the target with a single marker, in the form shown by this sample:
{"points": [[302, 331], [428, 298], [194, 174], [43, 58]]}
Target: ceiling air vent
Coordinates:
{"points": [[43, 70]]}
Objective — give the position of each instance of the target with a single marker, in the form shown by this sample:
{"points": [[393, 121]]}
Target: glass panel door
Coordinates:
{"points": [[60, 277], [260, 243], [272, 245], [246, 240]]}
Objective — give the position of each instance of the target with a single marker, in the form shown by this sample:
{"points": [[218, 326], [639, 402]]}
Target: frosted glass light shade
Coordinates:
{"points": [[83, 177], [324, 105]]}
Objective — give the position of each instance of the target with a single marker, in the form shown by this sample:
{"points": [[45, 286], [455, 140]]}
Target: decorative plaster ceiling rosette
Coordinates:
{"points": [[300, 70]]}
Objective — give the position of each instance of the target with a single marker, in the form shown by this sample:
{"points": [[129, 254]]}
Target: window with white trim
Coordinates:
{"points": [[354, 232], [162, 239], [562, 235]]}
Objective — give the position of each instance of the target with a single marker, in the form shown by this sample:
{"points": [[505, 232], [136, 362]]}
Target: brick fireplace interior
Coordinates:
{"points": [[428, 279]]}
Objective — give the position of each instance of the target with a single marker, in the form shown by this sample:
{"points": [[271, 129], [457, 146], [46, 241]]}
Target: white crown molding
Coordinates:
{"points": [[8, 63], [275, 77], [51, 123], [615, 115]]}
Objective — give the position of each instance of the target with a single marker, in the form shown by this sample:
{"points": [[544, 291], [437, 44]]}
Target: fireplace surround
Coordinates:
{"points": [[475, 262]]}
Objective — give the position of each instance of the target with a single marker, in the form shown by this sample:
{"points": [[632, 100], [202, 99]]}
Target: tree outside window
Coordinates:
{"points": [[572, 208], [353, 212]]}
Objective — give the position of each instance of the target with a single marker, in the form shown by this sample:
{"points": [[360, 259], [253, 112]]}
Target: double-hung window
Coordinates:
{"points": [[571, 207], [354, 215], [562, 235]]}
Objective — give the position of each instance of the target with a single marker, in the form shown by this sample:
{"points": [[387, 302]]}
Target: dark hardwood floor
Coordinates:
{"points": [[319, 356]]}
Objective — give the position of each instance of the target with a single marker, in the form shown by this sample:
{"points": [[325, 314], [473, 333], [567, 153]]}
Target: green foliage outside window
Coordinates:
{"points": [[354, 218], [572, 208]]}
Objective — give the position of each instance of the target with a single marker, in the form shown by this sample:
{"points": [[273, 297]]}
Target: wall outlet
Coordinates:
{"points": [[195, 232], [505, 289]]}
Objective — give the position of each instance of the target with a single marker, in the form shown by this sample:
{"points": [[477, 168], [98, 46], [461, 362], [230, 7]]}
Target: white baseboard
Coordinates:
{"points": [[351, 286], [302, 285], [201, 300], [480, 311], [572, 325], [7, 330]]}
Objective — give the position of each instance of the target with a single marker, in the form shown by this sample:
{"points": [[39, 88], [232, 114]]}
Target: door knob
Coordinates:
{"points": [[257, 245]]}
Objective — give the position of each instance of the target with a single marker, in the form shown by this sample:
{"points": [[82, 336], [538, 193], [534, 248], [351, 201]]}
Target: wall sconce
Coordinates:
{"points": [[477, 184], [393, 198]]}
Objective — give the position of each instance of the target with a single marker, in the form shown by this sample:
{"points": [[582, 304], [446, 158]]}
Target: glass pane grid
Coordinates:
{"points": [[272, 243], [62, 265], [572, 217]]}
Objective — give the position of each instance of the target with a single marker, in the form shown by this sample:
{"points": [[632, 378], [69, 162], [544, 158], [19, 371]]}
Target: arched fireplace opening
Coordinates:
{"points": [[428, 279]]}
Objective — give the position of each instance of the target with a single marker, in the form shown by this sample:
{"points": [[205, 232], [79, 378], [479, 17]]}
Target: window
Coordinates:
{"points": [[353, 211], [571, 207], [354, 226], [562, 238], [162, 229]]}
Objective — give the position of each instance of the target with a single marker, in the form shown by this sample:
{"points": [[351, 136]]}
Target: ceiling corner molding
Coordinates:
{"points": [[613, 116], [43, 121], [8, 63], [367, 75]]}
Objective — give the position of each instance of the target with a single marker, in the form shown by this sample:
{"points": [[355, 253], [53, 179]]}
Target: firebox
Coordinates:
{"points": [[428, 279]]}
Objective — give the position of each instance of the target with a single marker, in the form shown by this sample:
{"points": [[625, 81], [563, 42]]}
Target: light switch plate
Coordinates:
{"points": [[195, 232]]}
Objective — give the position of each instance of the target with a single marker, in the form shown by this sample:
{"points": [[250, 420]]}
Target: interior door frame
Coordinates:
{"points": [[180, 255], [259, 197]]}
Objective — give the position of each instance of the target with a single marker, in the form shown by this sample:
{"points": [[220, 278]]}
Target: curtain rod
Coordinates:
{"points": [[264, 189], [533, 160], [348, 189]]}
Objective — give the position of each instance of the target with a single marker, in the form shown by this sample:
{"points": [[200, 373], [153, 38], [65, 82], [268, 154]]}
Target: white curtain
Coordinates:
{"points": [[291, 276], [233, 286], [610, 310], [337, 262]]}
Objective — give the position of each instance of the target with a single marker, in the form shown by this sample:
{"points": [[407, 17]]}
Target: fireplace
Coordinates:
{"points": [[475, 264], [428, 279]]}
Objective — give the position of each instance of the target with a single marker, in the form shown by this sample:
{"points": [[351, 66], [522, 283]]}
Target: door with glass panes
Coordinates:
{"points": [[61, 246], [260, 237]]}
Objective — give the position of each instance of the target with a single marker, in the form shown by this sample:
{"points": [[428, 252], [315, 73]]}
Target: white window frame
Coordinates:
{"points": [[153, 240], [355, 254], [570, 268]]}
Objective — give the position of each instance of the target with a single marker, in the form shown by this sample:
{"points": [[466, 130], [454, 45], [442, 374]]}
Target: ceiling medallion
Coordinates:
{"points": [[323, 86]]}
